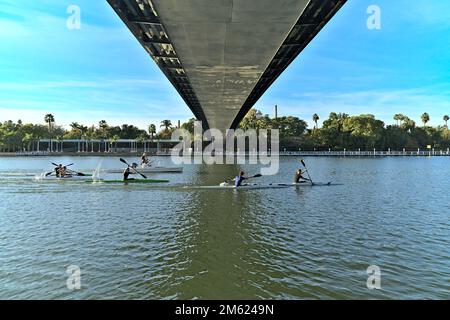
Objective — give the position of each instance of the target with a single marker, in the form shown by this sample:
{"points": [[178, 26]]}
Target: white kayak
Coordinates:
{"points": [[67, 178], [247, 186], [147, 170]]}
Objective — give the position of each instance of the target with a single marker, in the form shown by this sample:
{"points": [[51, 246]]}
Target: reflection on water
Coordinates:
{"points": [[170, 242]]}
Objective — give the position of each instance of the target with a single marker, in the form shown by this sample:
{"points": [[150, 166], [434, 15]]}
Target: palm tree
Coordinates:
{"points": [[315, 119], [399, 117], [83, 130], [152, 130], [50, 120], [141, 139], [75, 126], [167, 124], [425, 118], [103, 124], [114, 140], [446, 118]]}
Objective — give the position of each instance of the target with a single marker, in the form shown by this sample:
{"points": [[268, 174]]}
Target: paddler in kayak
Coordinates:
{"points": [[299, 178], [144, 160], [63, 173], [127, 172], [58, 169], [239, 179]]}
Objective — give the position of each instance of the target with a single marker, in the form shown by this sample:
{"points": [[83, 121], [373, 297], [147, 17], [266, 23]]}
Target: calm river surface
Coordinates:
{"points": [[170, 242]]}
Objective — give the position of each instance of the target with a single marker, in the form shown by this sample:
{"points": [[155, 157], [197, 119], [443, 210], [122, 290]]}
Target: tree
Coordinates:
{"points": [[152, 130], [141, 138], [332, 130], [250, 120], [399, 117], [425, 118], [446, 118], [83, 130], [289, 126], [129, 132], [27, 140], [363, 131], [189, 126], [75, 126], [50, 120], [315, 118], [103, 125], [408, 124], [113, 142], [166, 124]]}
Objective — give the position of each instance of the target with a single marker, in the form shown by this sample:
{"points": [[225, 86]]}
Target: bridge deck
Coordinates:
{"points": [[222, 55]]}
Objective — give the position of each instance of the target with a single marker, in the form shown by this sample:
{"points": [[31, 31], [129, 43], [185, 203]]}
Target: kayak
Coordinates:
{"points": [[147, 170], [252, 186], [67, 178], [131, 181]]}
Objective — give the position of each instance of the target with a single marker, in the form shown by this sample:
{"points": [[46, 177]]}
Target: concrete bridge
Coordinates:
{"points": [[222, 55]]}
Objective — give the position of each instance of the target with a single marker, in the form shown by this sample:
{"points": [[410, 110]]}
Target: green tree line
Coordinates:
{"points": [[342, 131], [20, 136], [339, 131]]}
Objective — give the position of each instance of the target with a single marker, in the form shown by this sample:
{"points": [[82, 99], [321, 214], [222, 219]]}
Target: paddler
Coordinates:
{"points": [[58, 169], [63, 172], [127, 172], [239, 179], [299, 177], [144, 160]]}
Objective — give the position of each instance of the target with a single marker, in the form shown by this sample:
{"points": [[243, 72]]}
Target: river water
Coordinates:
{"points": [[170, 242]]}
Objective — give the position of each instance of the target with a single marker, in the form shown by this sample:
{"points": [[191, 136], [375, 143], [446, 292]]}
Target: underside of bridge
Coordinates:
{"points": [[222, 55]]}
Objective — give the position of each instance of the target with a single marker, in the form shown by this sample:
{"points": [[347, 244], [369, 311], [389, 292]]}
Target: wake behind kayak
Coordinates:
{"points": [[253, 186], [131, 181]]}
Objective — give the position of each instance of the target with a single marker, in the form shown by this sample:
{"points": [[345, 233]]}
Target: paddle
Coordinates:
{"points": [[124, 161], [49, 173], [304, 165], [80, 174], [255, 176], [56, 165]]}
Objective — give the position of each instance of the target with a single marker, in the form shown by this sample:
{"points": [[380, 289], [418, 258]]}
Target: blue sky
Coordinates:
{"points": [[102, 72]]}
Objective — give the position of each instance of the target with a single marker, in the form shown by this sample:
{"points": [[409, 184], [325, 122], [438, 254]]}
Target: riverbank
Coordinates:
{"points": [[375, 153]]}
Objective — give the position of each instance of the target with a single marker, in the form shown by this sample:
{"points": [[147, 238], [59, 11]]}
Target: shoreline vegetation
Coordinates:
{"points": [[137, 154], [340, 132]]}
